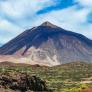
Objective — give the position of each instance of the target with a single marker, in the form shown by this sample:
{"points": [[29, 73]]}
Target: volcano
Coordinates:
{"points": [[50, 44]]}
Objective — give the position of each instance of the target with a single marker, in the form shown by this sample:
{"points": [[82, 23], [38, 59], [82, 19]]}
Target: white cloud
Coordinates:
{"points": [[10, 27], [23, 12], [85, 3], [21, 8], [8, 31]]}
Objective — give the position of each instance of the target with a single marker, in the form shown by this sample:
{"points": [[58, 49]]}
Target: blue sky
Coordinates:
{"points": [[19, 15]]}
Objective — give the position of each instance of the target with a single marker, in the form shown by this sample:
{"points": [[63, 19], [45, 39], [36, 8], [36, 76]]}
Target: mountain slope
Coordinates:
{"points": [[50, 44]]}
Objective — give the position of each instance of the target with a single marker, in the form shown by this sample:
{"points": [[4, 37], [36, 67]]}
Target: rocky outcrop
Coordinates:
{"points": [[22, 82]]}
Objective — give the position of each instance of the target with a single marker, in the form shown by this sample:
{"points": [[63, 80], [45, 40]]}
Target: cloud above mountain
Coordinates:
{"points": [[18, 15]]}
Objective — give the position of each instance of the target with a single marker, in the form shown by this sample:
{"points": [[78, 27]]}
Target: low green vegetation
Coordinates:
{"points": [[72, 77]]}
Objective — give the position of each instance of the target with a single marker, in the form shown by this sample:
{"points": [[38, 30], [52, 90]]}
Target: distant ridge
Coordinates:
{"points": [[50, 44]]}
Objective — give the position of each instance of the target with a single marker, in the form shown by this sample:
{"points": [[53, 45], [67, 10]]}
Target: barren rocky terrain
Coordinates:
{"points": [[48, 44]]}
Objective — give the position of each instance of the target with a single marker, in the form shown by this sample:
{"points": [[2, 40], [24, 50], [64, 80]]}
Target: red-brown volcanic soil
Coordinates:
{"points": [[87, 90]]}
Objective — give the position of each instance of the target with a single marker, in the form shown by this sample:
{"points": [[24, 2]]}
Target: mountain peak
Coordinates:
{"points": [[47, 23], [48, 44]]}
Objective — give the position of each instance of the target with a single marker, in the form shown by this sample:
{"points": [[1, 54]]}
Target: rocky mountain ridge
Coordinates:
{"points": [[50, 44]]}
